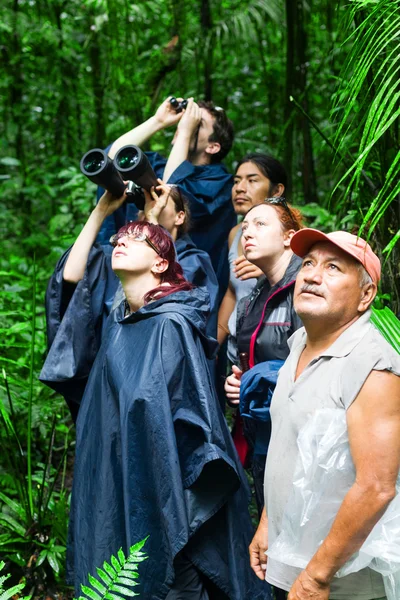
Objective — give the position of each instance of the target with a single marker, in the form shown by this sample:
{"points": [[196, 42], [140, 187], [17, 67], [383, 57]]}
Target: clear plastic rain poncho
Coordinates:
{"points": [[324, 474]]}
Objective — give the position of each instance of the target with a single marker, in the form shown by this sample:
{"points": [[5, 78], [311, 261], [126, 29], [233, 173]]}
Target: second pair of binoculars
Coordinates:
{"points": [[178, 105], [130, 163]]}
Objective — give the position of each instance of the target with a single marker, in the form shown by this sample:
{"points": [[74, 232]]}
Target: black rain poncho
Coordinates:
{"points": [[154, 455]]}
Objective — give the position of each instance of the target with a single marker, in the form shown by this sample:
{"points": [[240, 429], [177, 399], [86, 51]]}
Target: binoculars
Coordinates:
{"points": [[178, 106], [129, 163]]}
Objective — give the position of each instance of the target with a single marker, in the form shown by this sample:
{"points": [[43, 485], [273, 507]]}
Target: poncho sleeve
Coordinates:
{"points": [[209, 474], [76, 317]]}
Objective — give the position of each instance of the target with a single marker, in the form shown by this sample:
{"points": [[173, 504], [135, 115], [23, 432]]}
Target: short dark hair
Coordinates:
{"points": [[223, 130], [269, 166]]}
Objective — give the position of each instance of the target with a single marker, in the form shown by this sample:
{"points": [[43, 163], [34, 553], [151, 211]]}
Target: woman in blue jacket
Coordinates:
{"points": [[153, 452]]}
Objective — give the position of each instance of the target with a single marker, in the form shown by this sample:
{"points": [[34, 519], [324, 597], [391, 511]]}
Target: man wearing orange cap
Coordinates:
{"points": [[338, 360]]}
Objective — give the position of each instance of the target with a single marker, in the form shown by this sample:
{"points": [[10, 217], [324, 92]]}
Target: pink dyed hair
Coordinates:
{"points": [[163, 241]]}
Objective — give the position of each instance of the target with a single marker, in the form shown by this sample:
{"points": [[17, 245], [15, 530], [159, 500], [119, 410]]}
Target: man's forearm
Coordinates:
{"points": [[178, 155], [361, 509], [137, 136]]}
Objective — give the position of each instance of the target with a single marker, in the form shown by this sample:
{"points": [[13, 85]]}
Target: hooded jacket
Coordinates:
{"points": [[208, 190], [266, 318], [154, 455]]}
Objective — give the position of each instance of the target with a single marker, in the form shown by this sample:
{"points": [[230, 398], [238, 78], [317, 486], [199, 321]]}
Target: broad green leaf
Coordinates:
{"points": [[12, 524], [16, 507]]}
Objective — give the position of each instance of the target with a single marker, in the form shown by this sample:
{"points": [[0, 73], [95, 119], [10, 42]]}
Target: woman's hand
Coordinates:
{"points": [[154, 203], [109, 203], [232, 386], [246, 270]]}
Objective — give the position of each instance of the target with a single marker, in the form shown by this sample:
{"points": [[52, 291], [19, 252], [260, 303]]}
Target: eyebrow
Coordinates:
{"points": [[251, 175], [328, 259]]}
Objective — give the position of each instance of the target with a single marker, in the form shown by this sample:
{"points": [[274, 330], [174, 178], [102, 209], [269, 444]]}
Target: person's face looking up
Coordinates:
{"points": [[134, 253], [263, 237], [251, 187], [328, 286]]}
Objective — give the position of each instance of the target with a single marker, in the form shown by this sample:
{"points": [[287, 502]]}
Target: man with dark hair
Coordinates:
{"points": [[257, 176], [203, 137]]}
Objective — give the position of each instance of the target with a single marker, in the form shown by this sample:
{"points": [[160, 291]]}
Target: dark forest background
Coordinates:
{"points": [[314, 83]]}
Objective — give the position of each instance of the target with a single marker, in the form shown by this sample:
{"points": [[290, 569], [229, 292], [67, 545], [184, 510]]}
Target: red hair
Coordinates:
{"points": [[174, 273]]}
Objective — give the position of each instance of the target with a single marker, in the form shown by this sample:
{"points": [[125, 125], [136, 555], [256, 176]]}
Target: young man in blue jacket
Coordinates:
{"points": [[203, 138]]}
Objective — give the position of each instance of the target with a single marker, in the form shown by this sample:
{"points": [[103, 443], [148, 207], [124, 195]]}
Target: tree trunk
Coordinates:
{"points": [[308, 171], [289, 89], [206, 27]]}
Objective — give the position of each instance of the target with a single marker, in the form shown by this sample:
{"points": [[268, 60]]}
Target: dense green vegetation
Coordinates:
{"points": [[315, 84]]}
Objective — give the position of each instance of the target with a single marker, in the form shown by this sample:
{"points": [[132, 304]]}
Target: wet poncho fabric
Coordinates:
{"points": [[208, 190], [153, 453]]}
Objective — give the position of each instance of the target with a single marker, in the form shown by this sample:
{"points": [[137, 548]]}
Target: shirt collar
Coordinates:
{"points": [[349, 339]]}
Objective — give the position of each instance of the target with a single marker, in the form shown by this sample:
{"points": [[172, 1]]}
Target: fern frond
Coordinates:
{"points": [[12, 591], [117, 578]]}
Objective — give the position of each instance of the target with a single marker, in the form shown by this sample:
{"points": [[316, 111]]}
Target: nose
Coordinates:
{"points": [[122, 241], [241, 186], [248, 233], [313, 274]]}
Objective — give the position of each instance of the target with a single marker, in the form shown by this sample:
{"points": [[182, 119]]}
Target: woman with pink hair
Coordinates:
{"points": [[154, 456]]}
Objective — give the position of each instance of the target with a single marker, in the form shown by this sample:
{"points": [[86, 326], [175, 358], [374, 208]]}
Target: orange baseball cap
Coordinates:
{"points": [[358, 248]]}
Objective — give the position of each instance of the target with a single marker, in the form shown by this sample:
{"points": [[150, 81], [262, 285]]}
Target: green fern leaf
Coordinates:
{"points": [[126, 581], [96, 584], [110, 596], [122, 590], [130, 573], [121, 557], [16, 589], [90, 593], [115, 564], [109, 570], [136, 547], [104, 577]]}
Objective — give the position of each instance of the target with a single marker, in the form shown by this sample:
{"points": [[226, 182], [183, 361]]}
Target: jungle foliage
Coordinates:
{"points": [[315, 84]]}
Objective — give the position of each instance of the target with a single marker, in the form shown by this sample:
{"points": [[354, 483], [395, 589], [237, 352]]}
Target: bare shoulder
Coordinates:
{"points": [[380, 393]]}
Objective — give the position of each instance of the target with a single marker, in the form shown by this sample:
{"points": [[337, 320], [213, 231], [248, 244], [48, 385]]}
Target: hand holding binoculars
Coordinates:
{"points": [[130, 163], [178, 105]]}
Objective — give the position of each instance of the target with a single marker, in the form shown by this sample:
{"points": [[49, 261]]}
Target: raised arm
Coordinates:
{"points": [[76, 264], [165, 116], [373, 422], [190, 121]]}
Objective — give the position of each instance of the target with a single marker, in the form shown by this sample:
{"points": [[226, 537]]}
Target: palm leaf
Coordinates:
{"points": [[367, 105], [388, 325]]}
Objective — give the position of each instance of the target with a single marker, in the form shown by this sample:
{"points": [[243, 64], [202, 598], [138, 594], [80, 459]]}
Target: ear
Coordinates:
{"points": [[160, 265], [279, 190], [287, 236], [213, 148], [180, 218], [368, 293]]}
